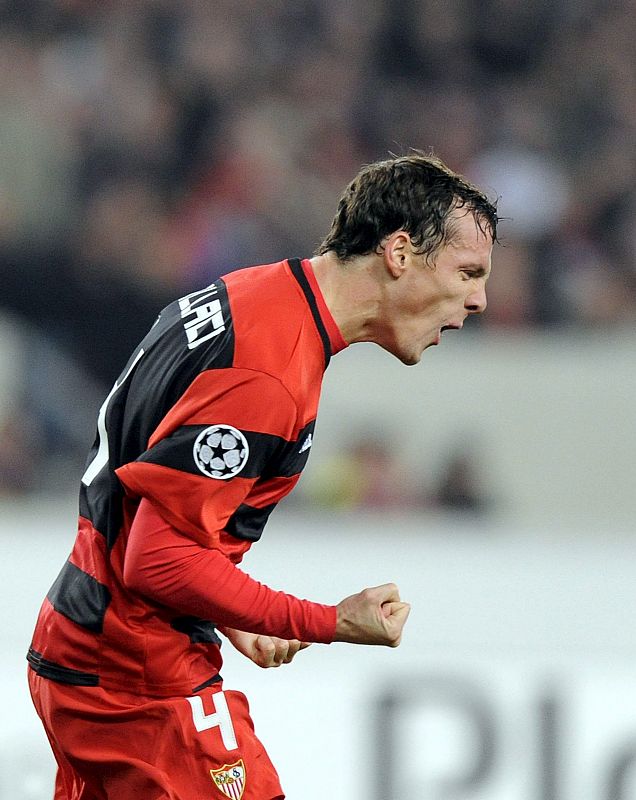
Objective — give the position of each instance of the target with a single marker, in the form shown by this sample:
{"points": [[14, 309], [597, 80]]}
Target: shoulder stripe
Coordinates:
{"points": [[177, 451], [298, 273]]}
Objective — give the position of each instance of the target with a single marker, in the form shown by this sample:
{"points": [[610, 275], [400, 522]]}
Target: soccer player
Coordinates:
{"points": [[205, 431]]}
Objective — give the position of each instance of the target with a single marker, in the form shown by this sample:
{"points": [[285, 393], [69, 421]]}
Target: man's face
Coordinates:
{"points": [[432, 296]]}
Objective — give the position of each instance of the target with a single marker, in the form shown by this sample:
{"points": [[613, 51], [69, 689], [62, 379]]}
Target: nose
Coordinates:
{"points": [[476, 301]]}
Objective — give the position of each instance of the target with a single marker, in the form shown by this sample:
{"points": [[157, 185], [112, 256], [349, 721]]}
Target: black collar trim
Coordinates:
{"points": [[299, 273]]}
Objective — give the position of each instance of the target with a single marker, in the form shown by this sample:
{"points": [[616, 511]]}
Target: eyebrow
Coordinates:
{"points": [[477, 269]]}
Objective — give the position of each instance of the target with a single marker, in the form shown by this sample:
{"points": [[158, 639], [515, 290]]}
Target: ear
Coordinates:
{"points": [[397, 248]]}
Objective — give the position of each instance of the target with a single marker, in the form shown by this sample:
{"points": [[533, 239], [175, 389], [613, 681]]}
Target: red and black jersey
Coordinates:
{"points": [[212, 421]]}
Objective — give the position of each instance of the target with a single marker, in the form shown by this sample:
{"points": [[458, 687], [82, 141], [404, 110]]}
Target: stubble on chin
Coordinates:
{"points": [[410, 359]]}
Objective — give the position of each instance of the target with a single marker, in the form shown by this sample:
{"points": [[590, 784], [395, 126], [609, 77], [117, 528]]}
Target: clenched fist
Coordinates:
{"points": [[265, 651], [373, 616]]}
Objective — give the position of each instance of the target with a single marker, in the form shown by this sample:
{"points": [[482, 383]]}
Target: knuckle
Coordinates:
{"points": [[368, 595]]}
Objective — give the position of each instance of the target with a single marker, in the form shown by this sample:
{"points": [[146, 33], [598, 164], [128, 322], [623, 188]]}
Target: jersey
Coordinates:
{"points": [[212, 420]]}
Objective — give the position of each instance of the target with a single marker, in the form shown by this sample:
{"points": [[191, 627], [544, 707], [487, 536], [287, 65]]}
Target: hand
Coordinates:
{"points": [[373, 616], [269, 651], [264, 651]]}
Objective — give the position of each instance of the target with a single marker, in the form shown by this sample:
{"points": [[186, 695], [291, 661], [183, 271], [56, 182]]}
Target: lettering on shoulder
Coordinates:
{"points": [[202, 315]]}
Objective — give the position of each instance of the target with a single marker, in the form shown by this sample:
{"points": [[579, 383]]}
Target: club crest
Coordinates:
{"points": [[230, 780]]}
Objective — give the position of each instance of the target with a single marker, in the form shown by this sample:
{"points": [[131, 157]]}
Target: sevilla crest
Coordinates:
{"points": [[230, 779]]}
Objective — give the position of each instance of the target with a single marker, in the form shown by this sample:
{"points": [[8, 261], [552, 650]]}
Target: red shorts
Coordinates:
{"points": [[118, 746]]}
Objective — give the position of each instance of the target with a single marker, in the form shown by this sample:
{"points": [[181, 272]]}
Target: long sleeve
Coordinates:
{"points": [[176, 572]]}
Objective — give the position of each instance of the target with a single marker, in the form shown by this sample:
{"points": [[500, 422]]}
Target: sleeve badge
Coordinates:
{"points": [[220, 452]]}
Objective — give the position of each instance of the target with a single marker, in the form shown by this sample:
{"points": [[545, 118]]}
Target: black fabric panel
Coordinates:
{"points": [[292, 457], [160, 377], [96, 505], [80, 597], [169, 367], [214, 679], [176, 451], [247, 523], [200, 631], [55, 672], [299, 274]]}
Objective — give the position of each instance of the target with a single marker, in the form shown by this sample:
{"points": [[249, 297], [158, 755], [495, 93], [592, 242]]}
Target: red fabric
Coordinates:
{"points": [[173, 570], [192, 503], [123, 639], [138, 649], [130, 747]]}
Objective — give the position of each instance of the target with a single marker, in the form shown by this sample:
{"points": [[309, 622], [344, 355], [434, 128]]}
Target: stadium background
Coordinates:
{"points": [[147, 147]]}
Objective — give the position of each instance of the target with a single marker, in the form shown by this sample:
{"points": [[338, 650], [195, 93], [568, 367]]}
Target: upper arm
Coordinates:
{"points": [[211, 448]]}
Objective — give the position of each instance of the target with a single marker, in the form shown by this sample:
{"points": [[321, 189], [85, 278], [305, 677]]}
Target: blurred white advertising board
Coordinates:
{"points": [[516, 679]]}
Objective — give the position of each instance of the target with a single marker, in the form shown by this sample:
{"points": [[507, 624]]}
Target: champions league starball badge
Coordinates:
{"points": [[220, 452]]}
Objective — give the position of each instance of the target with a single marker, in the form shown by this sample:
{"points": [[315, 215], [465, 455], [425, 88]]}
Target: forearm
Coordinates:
{"points": [[211, 587], [172, 570]]}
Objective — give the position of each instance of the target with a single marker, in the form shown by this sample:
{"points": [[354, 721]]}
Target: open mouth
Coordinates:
{"points": [[449, 327]]}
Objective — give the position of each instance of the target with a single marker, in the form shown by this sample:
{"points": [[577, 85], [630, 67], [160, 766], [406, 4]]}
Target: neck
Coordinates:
{"points": [[352, 292]]}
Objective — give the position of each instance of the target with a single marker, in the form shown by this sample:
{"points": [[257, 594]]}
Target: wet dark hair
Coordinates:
{"points": [[415, 193]]}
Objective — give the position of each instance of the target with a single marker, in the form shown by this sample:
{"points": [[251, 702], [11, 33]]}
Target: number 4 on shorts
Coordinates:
{"points": [[221, 718]]}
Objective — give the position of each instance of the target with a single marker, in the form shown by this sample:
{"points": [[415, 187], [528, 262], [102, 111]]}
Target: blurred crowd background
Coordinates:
{"points": [[148, 146]]}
